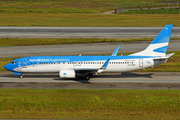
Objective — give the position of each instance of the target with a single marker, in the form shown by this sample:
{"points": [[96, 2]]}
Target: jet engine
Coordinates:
{"points": [[67, 74]]}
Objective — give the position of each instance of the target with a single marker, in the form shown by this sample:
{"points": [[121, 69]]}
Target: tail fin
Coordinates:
{"points": [[159, 45]]}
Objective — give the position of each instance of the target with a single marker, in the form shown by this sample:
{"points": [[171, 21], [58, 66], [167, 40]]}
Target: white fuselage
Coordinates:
{"points": [[121, 65]]}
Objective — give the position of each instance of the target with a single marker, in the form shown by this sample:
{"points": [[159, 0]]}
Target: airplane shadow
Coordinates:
{"points": [[126, 75], [81, 79], [122, 75]]}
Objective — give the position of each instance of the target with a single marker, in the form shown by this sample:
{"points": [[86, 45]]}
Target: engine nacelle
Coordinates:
{"points": [[67, 74]]}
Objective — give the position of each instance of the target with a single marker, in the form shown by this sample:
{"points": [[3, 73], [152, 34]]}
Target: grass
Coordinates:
{"points": [[54, 41], [67, 19], [65, 6], [89, 104], [60, 6], [172, 64], [77, 13]]}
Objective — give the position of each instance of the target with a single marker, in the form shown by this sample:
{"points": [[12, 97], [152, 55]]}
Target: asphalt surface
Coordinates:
{"points": [[97, 78], [84, 32], [134, 80], [83, 49]]}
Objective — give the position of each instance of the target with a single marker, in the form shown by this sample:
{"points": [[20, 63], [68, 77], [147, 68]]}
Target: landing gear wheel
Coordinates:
{"points": [[20, 76], [87, 77], [90, 75]]}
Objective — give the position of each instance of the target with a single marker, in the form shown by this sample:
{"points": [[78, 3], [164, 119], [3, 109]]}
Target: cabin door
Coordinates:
{"points": [[140, 62], [24, 63]]}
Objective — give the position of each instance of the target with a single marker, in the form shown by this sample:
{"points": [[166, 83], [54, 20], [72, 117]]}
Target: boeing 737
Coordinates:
{"points": [[75, 66]]}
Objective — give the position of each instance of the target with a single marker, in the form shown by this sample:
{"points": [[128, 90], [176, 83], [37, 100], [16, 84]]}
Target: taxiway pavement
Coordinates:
{"points": [[135, 80], [133, 77], [83, 32], [83, 49]]}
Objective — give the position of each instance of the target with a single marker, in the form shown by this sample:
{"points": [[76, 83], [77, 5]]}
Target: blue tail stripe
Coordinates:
{"points": [[164, 35], [161, 50]]}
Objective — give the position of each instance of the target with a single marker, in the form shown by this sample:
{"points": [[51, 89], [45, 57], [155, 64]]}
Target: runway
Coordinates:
{"points": [[83, 49], [84, 32], [99, 79], [134, 80]]}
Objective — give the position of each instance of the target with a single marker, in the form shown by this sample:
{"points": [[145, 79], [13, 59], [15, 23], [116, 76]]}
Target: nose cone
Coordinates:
{"points": [[8, 67]]}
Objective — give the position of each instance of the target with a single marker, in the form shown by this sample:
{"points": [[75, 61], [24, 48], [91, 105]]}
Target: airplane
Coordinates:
{"points": [[75, 66]]}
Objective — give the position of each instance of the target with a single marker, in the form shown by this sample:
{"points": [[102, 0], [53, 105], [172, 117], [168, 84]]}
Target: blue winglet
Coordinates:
{"points": [[116, 51], [105, 64]]}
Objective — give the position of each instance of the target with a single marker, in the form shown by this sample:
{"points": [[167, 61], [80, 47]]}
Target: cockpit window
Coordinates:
{"points": [[13, 62]]}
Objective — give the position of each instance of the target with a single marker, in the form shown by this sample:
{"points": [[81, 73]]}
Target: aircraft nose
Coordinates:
{"points": [[7, 67]]}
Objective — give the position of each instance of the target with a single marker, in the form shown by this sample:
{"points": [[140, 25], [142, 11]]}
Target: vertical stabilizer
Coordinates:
{"points": [[159, 45]]}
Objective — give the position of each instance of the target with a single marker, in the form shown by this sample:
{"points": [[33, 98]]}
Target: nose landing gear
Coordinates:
{"points": [[21, 76]]}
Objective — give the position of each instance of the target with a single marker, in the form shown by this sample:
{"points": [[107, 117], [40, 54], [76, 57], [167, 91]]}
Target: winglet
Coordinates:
{"points": [[116, 51], [105, 64]]}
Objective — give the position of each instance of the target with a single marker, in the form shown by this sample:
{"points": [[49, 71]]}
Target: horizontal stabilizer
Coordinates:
{"points": [[169, 55], [116, 51], [165, 57]]}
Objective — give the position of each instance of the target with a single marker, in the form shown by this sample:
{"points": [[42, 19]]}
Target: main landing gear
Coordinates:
{"points": [[87, 77]]}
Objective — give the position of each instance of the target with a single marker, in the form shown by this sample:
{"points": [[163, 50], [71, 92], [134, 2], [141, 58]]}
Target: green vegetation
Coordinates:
{"points": [[65, 6], [172, 64], [57, 6], [76, 13], [54, 41], [89, 104], [67, 19]]}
